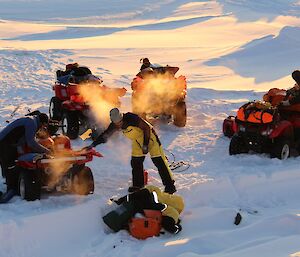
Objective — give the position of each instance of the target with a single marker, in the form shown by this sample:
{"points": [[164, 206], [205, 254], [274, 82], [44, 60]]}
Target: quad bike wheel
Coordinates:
{"points": [[29, 185], [281, 149], [55, 108], [3, 172], [179, 114], [237, 145], [82, 181], [70, 124]]}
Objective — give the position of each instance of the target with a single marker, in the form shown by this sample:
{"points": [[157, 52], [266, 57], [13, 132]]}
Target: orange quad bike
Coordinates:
{"points": [[64, 171], [261, 127], [156, 92], [69, 106], [274, 96]]}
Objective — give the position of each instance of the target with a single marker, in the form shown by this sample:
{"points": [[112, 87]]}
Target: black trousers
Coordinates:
{"points": [[163, 171], [8, 156], [137, 164]]}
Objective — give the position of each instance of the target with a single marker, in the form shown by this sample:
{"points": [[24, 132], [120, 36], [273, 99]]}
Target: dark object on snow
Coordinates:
{"points": [[118, 218], [238, 219]]}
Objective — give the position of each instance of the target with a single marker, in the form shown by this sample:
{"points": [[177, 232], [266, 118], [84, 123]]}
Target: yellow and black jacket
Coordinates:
{"points": [[139, 131]]}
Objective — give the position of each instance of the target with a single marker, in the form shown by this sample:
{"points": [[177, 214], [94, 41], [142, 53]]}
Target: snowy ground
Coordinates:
{"points": [[230, 51]]}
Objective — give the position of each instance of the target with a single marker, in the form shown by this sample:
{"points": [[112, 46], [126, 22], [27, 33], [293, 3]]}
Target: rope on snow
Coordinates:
{"points": [[176, 166]]}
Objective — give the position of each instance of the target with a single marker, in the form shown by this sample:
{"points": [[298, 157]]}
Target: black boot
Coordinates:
{"points": [[170, 189]]}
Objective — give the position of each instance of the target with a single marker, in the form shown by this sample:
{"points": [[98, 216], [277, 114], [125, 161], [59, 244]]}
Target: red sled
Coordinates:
{"points": [[229, 126]]}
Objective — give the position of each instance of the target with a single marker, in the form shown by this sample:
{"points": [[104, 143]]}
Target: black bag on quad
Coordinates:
{"points": [[260, 128]]}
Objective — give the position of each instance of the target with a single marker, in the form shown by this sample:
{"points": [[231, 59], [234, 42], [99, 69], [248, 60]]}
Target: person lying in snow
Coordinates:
{"points": [[21, 132], [147, 198], [144, 139]]}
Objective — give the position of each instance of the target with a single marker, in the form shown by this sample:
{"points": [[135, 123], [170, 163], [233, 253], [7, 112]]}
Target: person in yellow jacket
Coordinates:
{"points": [[144, 139], [152, 198]]}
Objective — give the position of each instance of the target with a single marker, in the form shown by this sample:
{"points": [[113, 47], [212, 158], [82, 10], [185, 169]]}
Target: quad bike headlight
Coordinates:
{"points": [[267, 132]]}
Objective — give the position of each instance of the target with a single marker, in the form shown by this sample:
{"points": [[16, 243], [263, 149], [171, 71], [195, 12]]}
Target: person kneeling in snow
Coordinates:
{"points": [[148, 198], [13, 138]]}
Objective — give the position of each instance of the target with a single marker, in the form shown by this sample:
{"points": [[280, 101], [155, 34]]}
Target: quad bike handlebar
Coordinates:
{"points": [[40, 161], [78, 157]]}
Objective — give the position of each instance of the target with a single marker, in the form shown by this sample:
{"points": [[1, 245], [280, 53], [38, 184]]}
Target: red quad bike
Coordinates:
{"points": [[158, 93], [263, 128], [69, 107], [66, 172]]}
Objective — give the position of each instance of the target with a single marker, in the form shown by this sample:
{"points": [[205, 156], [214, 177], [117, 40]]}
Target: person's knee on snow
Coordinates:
{"points": [[15, 136]]}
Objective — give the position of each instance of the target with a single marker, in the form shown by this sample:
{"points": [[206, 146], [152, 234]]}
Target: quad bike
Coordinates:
{"points": [[70, 107], [158, 93], [263, 128], [64, 171]]}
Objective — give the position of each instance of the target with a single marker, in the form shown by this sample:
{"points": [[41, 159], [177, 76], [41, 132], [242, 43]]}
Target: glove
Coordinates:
{"points": [[178, 228], [169, 225], [145, 149]]}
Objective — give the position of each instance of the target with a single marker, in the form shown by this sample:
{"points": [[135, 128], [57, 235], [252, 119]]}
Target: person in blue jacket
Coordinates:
{"points": [[14, 137]]}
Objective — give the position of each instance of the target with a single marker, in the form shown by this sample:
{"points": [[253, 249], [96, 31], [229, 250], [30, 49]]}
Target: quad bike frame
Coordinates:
{"points": [[159, 104], [69, 107], [277, 138], [36, 171]]}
